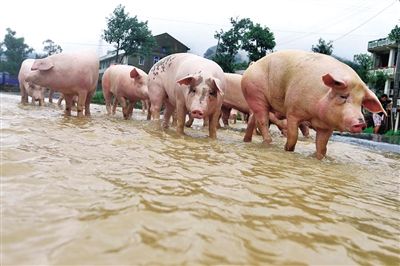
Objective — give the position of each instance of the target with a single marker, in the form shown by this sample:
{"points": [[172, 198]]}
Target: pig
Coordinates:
{"points": [[190, 84], [71, 74], [306, 87], [233, 98], [127, 84], [31, 89]]}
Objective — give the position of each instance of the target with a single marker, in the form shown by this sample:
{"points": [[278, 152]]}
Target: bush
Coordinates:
{"points": [[98, 98], [369, 130], [392, 133]]}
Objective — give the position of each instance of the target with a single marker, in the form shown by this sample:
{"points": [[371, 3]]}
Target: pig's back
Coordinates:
{"points": [[233, 93], [25, 69], [83, 66]]}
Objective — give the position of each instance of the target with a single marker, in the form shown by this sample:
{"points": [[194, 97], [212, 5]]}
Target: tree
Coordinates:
{"points": [[253, 39], [128, 34], [364, 62], [257, 41], [323, 47], [51, 48], [138, 37], [395, 35], [15, 51], [229, 44]]}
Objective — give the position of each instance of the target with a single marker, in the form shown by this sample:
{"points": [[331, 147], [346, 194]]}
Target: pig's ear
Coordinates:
{"points": [[42, 65], [217, 86], [134, 73], [334, 83], [186, 80], [371, 102]]}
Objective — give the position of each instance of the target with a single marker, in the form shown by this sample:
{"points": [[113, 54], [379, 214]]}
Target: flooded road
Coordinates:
{"points": [[104, 191]]}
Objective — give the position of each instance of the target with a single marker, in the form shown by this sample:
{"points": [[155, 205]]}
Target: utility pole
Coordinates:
{"points": [[396, 89]]}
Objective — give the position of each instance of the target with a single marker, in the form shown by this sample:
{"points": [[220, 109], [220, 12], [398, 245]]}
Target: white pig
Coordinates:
{"points": [[190, 84], [29, 88], [71, 74]]}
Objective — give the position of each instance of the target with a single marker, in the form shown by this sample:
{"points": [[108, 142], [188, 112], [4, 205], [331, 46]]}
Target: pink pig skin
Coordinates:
{"points": [[306, 86], [29, 88], [189, 83], [127, 84], [234, 98], [71, 74]]}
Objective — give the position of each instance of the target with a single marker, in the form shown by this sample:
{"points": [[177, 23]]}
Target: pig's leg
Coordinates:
{"points": [[174, 120], [130, 109], [124, 105], [68, 103], [225, 115], [304, 129], [263, 124], [148, 109], [212, 127], [82, 95], [115, 104], [87, 102], [292, 133], [33, 101], [206, 121], [60, 99], [321, 141], [157, 95], [108, 99], [180, 117], [169, 110], [251, 124], [51, 93], [24, 94], [280, 123], [189, 123], [41, 102]]}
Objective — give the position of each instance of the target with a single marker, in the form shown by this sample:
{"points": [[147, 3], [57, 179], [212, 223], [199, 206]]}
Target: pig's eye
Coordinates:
{"points": [[213, 93], [192, 90], [344, 97]]}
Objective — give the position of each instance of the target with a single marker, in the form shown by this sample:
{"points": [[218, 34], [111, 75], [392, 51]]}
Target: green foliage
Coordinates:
{"points": [[377, 80], [392, 133], [127, 33], [257, 41], [323, 47], [51, 48], [369, 130], [395, 34], [254, 39], [98, 98], [364, 62], [15, 50]]}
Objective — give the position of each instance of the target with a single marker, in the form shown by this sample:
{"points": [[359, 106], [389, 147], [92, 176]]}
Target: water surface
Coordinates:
{"points": [[104, 191]]}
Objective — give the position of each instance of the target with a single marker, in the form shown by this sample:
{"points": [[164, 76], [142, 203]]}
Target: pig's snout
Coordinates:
{"points": [[359, 127], [197, 114]]}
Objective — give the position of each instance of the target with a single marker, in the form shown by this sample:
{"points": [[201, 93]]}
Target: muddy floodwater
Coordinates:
{"points": [[105, 191]]}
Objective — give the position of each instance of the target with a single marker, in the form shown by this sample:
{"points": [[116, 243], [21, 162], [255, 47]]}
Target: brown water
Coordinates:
{"points": [[104, 191]]}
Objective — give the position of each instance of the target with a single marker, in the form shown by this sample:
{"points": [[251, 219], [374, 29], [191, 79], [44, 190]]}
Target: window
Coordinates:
{"points": [[141, 60], [156, 59]]}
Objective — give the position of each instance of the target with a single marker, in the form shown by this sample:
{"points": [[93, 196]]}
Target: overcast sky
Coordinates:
{"points": [[296, 24]]}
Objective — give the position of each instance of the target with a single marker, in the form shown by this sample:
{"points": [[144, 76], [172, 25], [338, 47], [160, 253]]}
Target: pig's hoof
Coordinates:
{"points": [[247, 139]]}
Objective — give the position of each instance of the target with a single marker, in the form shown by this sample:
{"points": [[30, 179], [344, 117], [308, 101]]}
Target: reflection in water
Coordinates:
{"points": [[103, 190]]}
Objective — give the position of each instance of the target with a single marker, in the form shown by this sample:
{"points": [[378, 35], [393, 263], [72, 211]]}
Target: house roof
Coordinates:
{"points": [[166, 35]]}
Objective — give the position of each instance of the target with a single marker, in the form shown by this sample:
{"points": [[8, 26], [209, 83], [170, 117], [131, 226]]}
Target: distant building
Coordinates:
{"points": [[384, 54], [165, 45]]}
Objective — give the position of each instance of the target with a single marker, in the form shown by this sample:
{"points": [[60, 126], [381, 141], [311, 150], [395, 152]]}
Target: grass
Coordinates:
{"points": [[370, 130], [98, 98]]}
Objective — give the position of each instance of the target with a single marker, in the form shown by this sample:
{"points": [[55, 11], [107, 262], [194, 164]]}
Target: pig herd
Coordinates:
{"points": [[292, 89]]}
